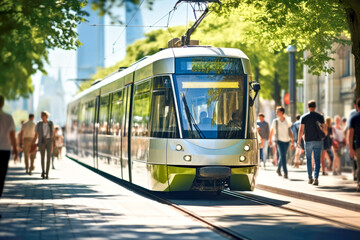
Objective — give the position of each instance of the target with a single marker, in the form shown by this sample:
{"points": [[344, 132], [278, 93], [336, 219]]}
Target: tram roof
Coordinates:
{"points": [[165, 54]]}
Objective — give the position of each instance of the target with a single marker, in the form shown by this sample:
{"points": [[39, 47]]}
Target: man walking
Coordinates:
{"points": [[353, 160], [44, 131], [283, 136], [28, 134], [313, 124], [264, 132], [354, 134], [7, 140]]}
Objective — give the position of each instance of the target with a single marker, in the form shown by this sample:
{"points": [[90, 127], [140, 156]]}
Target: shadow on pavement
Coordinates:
{"points": [[46, 221]]}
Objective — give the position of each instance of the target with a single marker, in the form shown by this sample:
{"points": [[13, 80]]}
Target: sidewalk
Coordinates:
{"points": [[76, 203], [338, 191]]}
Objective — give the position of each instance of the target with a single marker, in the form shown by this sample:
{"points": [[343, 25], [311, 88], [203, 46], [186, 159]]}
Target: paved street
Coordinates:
{"points": [[76, 203]]}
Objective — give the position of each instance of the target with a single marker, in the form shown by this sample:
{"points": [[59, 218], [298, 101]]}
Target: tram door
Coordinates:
{"points": [[126, 132], [96, 131]]}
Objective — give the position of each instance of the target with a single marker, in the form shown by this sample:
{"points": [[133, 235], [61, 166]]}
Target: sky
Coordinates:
{"points": [[65, 61]]}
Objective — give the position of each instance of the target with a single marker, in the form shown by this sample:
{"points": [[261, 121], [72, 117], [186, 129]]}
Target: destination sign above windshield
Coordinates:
{"points": [[209, 65]]}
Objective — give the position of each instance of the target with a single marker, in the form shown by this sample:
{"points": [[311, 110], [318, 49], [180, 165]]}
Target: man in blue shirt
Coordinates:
{"points": [[354, 132]]}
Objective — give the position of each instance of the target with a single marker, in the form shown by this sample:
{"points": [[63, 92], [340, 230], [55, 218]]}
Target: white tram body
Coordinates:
{"points": [[178, 120]]}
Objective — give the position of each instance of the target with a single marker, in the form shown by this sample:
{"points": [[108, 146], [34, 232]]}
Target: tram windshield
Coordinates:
{"points": [[211, 106]]}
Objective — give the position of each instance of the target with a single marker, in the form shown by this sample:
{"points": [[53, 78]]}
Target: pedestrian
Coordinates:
{"points": [[57, 145], [327, 151], [338, 144], [19, 142], [299, 150], [353, 160], [354, 137], [7, 140], [313, 125], [44, 131], [283, 137], [264, 131], [343, 123], [28, 134]]}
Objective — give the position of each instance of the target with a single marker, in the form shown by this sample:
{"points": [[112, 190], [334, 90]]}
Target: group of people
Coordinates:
{"points": [[50, 141], [318, 138], [42, 135]]}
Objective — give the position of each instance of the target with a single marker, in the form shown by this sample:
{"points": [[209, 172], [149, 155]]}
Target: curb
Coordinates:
{"points": [[311, 197]]}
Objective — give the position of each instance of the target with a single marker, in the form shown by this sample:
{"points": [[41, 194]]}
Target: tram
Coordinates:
{"points": [[182, 119]]}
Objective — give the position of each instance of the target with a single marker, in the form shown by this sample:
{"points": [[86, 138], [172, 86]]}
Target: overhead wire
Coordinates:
{"points": [[170, 15], [137, 9]]}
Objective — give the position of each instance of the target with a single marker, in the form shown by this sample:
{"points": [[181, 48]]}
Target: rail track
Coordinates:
{"points": [[261, 200], [223, 231]]}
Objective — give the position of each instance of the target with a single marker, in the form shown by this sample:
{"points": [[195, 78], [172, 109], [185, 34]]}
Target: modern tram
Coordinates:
{"points": [[182, 119]]}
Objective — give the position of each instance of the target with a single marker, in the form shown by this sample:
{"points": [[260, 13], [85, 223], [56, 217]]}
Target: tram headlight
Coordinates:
{"points": [[179, 147], [247, 148], [242, 158], [187, 158]]}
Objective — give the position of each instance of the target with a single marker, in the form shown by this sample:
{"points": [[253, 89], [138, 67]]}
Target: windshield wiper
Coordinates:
{"points": [[190, 118]]}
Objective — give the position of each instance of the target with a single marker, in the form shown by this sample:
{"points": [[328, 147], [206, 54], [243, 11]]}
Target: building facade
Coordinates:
{"points": [[334, 93]]}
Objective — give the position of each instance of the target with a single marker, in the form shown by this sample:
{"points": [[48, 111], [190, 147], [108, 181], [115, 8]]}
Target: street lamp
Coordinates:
{"points": [[292, 81]]}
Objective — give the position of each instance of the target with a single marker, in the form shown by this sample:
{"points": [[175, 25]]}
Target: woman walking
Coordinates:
{"points": [[327, 152], [338, 144]]}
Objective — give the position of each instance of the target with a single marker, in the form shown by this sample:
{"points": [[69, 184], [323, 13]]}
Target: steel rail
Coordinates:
{"points": [[223, 231], [258, 199]]}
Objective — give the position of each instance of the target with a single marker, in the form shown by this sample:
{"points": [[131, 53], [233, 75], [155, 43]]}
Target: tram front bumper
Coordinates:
{"points": [[236, 178]]}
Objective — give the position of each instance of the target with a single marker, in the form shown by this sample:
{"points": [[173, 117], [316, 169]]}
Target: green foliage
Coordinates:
{"points": [[309, 24], [28, 29], [19, 115]]}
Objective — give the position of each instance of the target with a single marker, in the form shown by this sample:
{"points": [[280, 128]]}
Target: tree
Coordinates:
{"points": [[28, 30], [313, 25]]}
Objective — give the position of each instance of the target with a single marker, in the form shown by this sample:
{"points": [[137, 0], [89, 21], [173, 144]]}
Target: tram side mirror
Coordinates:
{"points": [[256, 87]]}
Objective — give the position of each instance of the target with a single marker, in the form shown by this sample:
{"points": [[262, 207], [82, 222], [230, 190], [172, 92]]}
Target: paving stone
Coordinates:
{"points": [[76, 203]]}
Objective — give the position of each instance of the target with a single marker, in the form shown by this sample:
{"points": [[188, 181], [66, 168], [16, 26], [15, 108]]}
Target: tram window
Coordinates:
{"points": [[73, 119], [141, 109], [163, 120], [103, 115], [212, 106], [116, 113], [89, 117]]}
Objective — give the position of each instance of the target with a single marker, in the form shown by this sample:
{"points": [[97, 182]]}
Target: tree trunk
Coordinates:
{"points": [[352, 8]]}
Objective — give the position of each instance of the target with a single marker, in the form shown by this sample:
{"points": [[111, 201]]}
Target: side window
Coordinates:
{"points": [[141, 109], [103, 115], [89, 116], [74, 119], [82, 118], [116, 113], [163, 120]]}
